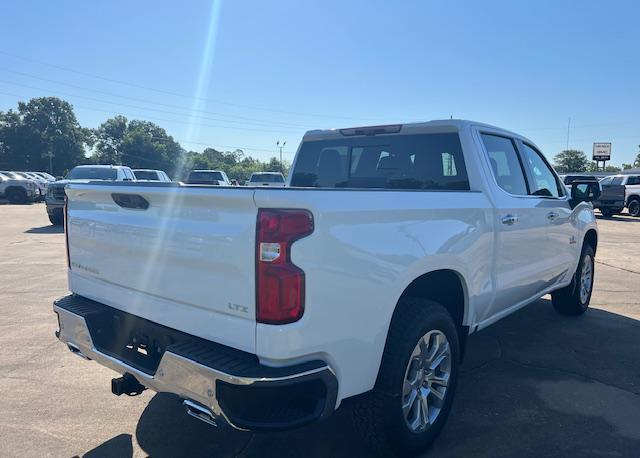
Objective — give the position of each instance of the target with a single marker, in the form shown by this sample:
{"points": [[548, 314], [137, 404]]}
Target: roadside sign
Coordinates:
{"points": [[601, 151]]}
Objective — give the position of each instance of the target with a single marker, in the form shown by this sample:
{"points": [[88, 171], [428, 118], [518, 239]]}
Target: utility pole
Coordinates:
{"points": [[280, 146]]}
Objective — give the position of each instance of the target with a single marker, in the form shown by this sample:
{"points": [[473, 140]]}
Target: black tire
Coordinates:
{"points": [[378, 414], [17, 196], [56, 219], [634, 207], [569, 300]]}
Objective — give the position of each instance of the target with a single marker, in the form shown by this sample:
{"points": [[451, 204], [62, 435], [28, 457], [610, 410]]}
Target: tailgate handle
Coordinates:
{"points": [[133, 201]]}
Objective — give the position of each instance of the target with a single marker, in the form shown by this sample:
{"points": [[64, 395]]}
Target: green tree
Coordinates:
{"points": [[109, 140], [571, 161], [626, 166], [138, 144], [611, 168], [147, 145], [636, 162], [43, 130]]}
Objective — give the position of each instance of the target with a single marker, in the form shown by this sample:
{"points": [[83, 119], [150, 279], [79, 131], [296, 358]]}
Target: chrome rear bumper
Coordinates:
{"points": [[194, 381]]}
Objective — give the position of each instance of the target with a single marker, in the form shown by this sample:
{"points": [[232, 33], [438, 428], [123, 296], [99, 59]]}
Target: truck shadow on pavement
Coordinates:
{"points": [[534, 384], [50, 229], [621, 217]]}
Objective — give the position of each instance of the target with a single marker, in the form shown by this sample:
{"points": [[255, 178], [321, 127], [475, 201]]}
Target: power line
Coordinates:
{"points": [[257, 120], [209, 144], [176, 121], [136, 99], [177, 94], [66, 94], [216, 145]]}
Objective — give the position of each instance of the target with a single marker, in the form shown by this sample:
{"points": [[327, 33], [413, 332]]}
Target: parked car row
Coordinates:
{"points": [[219, 178], [55, 193], [23, 187]]}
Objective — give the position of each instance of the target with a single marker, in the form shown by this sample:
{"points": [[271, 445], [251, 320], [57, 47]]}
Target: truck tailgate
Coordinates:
{"points": [[186, 261]]}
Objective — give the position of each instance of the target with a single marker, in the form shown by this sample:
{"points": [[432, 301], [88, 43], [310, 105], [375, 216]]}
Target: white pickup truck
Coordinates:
{"points": [[268, 308]]}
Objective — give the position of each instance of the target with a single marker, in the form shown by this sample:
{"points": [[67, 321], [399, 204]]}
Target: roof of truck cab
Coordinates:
{"points": [[98, 166], [412, 127]]}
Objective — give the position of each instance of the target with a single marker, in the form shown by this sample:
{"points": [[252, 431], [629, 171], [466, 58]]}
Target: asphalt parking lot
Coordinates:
{"points": [[534, 384]]}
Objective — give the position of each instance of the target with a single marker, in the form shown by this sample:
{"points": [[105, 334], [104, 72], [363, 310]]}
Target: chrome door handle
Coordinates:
{"points": [[551, 216], [509, 220]]}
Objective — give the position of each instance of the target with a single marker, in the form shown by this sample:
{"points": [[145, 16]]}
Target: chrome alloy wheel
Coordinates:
{"points": [[586, 279], [426, 380]]}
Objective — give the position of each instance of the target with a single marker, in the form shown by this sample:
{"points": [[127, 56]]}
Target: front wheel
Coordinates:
{"points": [[17, 196], [413, 394], [634, 207], [574, 299]]}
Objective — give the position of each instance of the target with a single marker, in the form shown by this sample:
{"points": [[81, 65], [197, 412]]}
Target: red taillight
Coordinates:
{"points": [[279, 283], [66, 229]]}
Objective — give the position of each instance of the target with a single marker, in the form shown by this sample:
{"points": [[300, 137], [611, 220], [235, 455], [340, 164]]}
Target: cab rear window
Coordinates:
{"points": [[267, 178], [206, 176], [146, 175], [421, 161]]}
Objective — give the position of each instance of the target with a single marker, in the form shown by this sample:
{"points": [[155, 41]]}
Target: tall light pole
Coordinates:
{"points": [[280, 146]]}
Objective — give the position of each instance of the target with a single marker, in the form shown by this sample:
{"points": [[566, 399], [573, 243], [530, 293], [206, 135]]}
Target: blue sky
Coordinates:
{"points": [[248, 73]]}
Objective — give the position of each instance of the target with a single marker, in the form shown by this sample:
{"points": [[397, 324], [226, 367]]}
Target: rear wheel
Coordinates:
{"points": [[574, 299], [634, 207], [17, 196], [413, 394]]}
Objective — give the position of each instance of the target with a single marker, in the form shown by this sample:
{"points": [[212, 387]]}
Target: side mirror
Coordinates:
{"points": [[584, 191]]}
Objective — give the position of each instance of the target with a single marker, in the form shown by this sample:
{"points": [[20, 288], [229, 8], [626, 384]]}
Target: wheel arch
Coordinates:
{"points": [[633, 197], [591, 237], [446, 287]]}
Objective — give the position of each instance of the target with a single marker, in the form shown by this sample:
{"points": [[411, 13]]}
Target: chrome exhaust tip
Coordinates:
{"points": [[199, 412]]}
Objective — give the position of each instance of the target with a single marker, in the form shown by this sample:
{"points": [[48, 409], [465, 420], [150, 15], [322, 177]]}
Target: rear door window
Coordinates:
{"points": [[633, 180], [505, 164], [543, 180], [419, 161]]}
